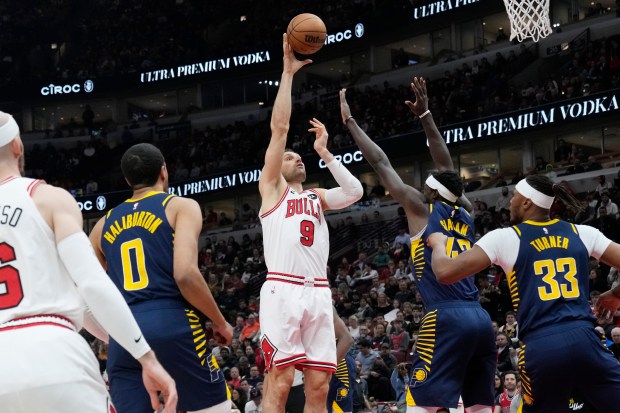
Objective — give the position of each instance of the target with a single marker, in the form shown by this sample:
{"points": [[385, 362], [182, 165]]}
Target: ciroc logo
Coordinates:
{"points": [[53, 89], [346, 158], [89, 85], [101, 202], [345, 35]]}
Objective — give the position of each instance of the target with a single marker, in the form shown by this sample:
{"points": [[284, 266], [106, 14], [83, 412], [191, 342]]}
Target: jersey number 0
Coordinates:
{"points": [[133, 252]]}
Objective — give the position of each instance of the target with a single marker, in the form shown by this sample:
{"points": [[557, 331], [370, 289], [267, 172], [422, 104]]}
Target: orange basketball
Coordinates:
{"points": [[306, 33]]}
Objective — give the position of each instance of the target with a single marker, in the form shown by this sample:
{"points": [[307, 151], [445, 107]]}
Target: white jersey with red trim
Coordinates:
{"points": [[33, 280], [295, 235]]}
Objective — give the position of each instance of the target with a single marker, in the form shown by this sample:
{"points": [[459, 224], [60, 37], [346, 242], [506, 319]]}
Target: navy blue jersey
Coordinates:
{"points": [[137, 242], [457, 224], [550, 276]]}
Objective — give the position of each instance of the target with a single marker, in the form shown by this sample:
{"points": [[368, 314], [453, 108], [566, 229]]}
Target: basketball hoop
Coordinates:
{"points": [[528, 18]]}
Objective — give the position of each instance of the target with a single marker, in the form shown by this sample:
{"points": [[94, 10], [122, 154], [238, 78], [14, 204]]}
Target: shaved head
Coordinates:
{"points": [[9, 136]]}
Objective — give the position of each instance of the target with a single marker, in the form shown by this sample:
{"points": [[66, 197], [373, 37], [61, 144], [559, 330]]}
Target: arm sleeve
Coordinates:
{"points": [[101, 295], [502, 247], [93, 327], [594, 240], [350, 189]]}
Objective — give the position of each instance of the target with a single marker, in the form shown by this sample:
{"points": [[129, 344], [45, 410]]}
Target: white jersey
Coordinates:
{"points": [[33, 280], [295, 235]]}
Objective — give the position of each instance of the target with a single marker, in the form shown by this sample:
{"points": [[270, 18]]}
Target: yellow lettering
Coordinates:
{"points": [[540, 244], [155, 225], [140, 218], [109, 237], [533, 244], [552, 242], [443, 224], [565, 243], [129, 221], [113, 229], [545, 242], [148, 221]]}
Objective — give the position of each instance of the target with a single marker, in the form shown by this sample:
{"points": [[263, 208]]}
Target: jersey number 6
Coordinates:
{"points": [[11, 293]]}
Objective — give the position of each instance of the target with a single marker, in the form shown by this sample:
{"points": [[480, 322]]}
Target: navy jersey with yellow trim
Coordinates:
{"points": [[550, 280], [458, 225], [137, 242]]}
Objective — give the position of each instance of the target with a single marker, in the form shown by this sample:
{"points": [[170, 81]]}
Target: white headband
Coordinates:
{"points": [[439, 187], [537, 197], [8, 131]]}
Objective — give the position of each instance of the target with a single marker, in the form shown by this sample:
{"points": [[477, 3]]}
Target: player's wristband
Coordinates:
{"points": [[426, 113]]}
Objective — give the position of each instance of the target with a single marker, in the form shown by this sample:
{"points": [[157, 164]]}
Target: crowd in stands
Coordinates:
{"points": [[374, 293], [372, 287], [92, 46], [468, 92]]}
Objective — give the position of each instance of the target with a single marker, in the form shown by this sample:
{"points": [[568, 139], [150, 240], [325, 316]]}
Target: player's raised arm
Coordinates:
{"points": [[350, 189], [193, 287], [436, 143], [407, 196], [271, 182]]}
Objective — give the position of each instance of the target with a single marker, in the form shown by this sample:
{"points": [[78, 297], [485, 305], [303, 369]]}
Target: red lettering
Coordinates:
{"points": [[299, 206], [290, 208]]}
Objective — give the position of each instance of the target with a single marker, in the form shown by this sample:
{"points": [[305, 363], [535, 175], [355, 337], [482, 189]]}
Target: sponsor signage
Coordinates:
{"points": [[357, 31], [440, 6], [203, 185], [67, 89], [205, 67], [556, 113], [346, 158], [96, 203], [494, 127]]}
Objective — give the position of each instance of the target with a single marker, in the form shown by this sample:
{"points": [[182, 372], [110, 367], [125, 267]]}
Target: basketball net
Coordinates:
{"points": [[528, 18]]}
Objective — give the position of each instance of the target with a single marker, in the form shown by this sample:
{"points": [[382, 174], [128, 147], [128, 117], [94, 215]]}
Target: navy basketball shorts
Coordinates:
{"points": [[565, 359], [339, 396], [455, 356], [175, 332]]}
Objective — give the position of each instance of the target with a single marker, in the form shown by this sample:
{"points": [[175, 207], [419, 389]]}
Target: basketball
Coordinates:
{"points": [[306, 33]]}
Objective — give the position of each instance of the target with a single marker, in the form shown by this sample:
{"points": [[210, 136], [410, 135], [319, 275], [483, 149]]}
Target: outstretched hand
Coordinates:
{"points": [[418, 86], [291, 64], [345, 110], [320, 143], [437, 240]]}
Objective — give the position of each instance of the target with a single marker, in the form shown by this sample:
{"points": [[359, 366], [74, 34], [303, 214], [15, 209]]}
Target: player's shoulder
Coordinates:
{"points": [[179, 206], [46, 194], [179, 202]]}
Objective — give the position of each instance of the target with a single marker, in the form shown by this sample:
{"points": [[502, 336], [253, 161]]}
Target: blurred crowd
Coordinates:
{"points": [[374, 293], [479, 89]]}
